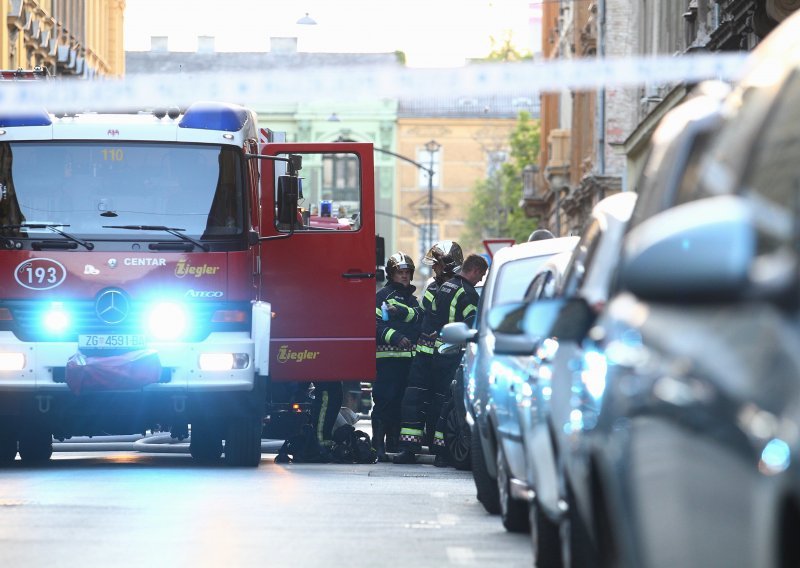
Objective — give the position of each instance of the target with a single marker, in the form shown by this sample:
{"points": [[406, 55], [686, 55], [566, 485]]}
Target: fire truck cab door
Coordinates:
{"points": [[320, 279]]}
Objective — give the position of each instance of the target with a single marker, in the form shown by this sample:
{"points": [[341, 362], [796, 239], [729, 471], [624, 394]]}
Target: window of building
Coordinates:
{"points": [[494, 162]]}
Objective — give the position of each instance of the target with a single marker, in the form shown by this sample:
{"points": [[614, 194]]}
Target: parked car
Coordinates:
{"points": [[556, 376], [486, 395], [554, 388], [687, 439]]}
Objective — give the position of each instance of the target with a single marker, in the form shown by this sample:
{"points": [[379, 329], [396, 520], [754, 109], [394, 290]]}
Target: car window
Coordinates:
{"points": [[514, 277], [672, 170], [543, 286], [732, 146], [774, 173], [772, 183], [576, 271]]}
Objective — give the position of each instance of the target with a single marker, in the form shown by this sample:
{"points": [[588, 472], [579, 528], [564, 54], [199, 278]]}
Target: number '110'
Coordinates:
{"points": [[114, 154]]}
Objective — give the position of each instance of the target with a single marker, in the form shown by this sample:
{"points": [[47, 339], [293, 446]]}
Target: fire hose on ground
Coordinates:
{"points": [[160, 442]]}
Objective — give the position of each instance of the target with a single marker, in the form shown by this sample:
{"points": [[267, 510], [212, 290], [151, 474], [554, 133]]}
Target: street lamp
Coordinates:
{"points": [[432, 147], [307, 21]]}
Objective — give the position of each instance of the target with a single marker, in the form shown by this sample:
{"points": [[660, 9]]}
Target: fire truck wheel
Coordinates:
{"points": [[243, 443], [8, 448], [205, 444], [35, 445]]}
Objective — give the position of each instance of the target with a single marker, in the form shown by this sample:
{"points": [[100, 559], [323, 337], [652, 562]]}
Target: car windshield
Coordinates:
{"points": [[89, 185]]}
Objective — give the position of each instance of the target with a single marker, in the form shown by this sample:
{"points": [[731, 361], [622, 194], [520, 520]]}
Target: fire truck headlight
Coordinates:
{"points": [[12, 361], [223, 361], [56, 319], [167, 321]]}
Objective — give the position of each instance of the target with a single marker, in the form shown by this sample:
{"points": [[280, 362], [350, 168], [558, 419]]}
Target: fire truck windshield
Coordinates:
{"points": [[96, 187]]}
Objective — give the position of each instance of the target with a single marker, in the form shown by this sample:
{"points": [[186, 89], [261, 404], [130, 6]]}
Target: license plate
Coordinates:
{"points": [[115, 341]]}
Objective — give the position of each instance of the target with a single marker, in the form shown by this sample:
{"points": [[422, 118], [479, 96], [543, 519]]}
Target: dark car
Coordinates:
{"points": [[558, 400], [685, 437], [545, 405]]}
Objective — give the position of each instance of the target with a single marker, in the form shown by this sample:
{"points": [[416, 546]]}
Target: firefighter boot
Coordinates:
{"points": [[393, 438], [442, 460], [378, 433], [405, 457]]}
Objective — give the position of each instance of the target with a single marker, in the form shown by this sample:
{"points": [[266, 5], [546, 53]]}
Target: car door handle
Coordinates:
{"points": [[358, 275]]}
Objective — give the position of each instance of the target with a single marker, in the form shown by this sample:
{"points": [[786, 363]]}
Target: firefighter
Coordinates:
{"points": [[456, 300], [328, 396], [398, 317], [460, 300], [445, 258]]}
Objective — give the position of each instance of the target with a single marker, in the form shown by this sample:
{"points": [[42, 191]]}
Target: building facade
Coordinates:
{"points": [[67, 37], [471, 136], [595, 143], [306, 121]]}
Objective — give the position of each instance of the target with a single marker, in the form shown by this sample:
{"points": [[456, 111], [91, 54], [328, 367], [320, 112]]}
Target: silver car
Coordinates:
{"points": [[490, 410]]}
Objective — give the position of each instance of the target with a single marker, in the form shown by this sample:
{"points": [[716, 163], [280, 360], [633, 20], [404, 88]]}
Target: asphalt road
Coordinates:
{"points": [[119, 509]]}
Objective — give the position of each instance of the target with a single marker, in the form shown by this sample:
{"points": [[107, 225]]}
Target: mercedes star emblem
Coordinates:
{"points": [[112, 306]]}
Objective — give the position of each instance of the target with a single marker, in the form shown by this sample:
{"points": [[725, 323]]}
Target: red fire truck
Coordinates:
{"points": [[155, 275]]}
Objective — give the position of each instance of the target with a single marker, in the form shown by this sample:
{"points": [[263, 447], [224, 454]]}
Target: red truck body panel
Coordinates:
{"points": [[323, 327]]}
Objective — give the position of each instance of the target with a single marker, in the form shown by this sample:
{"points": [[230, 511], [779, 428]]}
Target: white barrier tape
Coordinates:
{"points": [[368, 83]]}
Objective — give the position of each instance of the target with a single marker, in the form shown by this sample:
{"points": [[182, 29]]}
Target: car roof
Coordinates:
{"points": [[544, 248], [615, 208], [535, 248]]}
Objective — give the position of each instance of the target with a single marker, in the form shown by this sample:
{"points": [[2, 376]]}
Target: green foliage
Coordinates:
{"points": [[495, 211], [503, 49]]}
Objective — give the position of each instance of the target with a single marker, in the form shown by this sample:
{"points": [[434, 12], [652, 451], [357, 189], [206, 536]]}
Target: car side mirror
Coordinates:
{"points": [[507, 318], [705, 250], [524, 326], [458, 333], [506, 321], [571, 320]]}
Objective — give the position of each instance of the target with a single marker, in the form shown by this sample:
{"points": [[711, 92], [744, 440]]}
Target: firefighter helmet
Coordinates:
{"points": [[399, 261], [446, 253]]}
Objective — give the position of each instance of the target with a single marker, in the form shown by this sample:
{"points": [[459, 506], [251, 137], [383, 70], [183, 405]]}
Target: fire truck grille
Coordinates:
{"points": [[29, 321]]}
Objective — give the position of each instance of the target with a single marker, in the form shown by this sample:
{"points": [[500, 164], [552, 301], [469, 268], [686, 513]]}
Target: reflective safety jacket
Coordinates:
{"points": [[431, 287], [404, 322], [455, 300]]}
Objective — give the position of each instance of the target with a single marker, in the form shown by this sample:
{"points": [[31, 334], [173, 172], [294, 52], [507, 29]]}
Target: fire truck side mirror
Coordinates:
{"points": [[288, 192], [252, 238]]}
